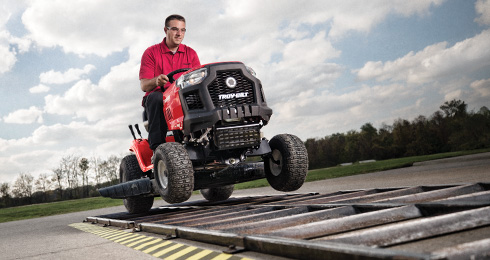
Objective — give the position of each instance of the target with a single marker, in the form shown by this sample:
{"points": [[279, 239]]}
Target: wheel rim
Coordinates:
{"points": [[162, 174], [275, 162]]}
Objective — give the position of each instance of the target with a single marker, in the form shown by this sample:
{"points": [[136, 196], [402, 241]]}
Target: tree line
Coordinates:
{"points": [[75, 177], [452, 128]]}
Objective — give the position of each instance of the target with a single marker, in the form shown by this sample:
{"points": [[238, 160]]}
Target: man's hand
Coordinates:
{"points": [[161, 80], [148, 85]]}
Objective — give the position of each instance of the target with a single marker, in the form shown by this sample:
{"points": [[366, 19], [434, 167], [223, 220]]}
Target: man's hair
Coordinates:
{"points": [[174, 17]]}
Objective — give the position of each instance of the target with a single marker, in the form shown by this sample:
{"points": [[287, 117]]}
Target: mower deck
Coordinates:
{"points": [[148, 187]]}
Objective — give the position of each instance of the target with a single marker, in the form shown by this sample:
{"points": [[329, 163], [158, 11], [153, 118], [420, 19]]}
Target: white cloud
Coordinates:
{"points": [[23, 44], [434, 62], [56, 77], [477, 94], [456, 94], [8, 58], [48, 144], [83, 27], [345, 16], [24, 116], [54, 23], [7, 53], [116, 95], [483, 10], [304, 63], [39, 89], [482, 87], [311, 114], [8, 43]]}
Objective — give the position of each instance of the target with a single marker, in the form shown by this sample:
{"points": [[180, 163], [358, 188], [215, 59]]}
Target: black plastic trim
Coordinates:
{"points": [[209, 115]]}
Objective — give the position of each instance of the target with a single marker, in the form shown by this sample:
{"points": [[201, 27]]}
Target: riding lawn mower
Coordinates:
{"points": [[214, 113]]}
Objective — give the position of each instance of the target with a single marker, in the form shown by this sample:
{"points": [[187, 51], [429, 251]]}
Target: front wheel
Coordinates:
{"points": [[130, 170], [218, 193], [287, 165], [173, 172]]}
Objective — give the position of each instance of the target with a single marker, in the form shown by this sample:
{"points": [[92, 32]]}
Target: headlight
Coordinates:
{"points": [[192, 78], [251, 71]]}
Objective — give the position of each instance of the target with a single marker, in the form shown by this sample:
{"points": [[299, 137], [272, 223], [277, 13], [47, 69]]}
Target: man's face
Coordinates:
{"points": [[175, 35]]}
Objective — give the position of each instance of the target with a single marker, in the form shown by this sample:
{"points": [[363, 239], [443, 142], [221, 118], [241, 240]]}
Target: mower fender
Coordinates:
{"points": [[141, 149], [172, 108]]}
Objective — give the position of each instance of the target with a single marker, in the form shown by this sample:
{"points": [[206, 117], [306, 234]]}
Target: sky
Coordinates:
{"points": [[69, 69]]}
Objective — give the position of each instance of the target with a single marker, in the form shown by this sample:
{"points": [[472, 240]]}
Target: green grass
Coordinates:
{"points": [[56, 208], [62, 207]]}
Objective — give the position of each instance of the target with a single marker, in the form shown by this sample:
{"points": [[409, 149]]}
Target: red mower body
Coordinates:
{"points": [[174, 116], [172, 108], [141, 148]]}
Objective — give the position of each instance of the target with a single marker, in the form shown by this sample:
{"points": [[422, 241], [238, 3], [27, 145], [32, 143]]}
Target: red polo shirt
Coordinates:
{"points": [[158, 59]]}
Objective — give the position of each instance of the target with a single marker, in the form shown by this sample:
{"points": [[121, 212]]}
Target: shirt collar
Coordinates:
{"points": [[166, 49]]}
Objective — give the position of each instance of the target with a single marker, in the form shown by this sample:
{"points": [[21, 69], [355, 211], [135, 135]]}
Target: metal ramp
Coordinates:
{"points": [[423, 222]]}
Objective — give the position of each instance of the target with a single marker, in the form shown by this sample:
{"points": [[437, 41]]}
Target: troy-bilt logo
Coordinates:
{"points": [[233, 95], [231, 82]]}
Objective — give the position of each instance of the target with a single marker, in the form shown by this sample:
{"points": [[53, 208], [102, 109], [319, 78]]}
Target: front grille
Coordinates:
{"points": [[237, 137], [193, 100], [231, 96]]}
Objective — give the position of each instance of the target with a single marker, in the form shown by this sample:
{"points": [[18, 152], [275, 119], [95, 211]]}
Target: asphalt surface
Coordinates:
{"points": [[52, 238]]}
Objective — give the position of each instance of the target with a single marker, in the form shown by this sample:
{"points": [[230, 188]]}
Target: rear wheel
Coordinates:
{"points": [[218, 193], [287, 165], [130, 170], [173, 172]]}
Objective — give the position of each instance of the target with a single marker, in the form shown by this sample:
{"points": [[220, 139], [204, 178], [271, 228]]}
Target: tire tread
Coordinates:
{"points": [[295, 163], [181, 173], [130, 170]]}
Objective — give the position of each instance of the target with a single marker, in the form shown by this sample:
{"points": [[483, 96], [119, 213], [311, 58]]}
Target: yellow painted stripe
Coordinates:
{"points": [[166, 250], [200, 255], [120, 236], [222, 257], [103, 232], [111, 236], [136, 238], [104, 235], [181, 253], [126, 238], [148, 243], [155, 246], [139, 241]]}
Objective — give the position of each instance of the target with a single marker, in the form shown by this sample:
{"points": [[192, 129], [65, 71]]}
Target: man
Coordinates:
{"points": [[157, 61]]}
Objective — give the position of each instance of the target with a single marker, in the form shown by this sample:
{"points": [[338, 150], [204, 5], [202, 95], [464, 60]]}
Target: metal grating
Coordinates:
{"points": [[193, 100], [218, 87], [423, 222], [237, 137]]}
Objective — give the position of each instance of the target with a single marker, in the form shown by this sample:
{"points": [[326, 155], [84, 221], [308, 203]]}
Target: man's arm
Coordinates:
{"points": [[148, 85]]}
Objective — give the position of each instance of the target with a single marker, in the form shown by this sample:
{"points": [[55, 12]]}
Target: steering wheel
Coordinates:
{"points": [[171, 74]]}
